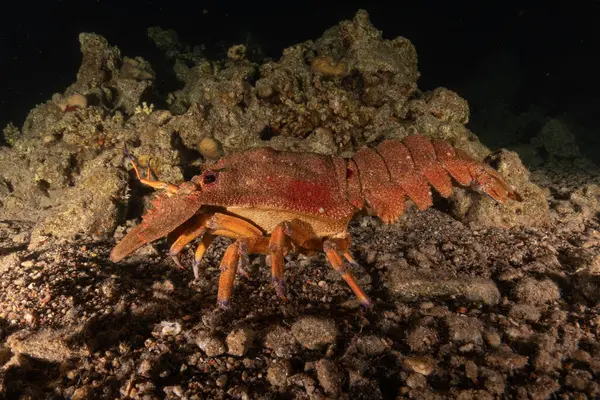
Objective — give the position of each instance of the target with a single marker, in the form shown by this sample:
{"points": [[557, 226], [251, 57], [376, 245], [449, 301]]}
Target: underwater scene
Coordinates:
{"points": [[241, 200]]}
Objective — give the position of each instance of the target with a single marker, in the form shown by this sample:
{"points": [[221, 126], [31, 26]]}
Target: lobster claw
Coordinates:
{"points": [[169, 213]]}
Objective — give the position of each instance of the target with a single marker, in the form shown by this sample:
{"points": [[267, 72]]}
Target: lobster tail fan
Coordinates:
{"points": [[494, 184], [486, 179]]}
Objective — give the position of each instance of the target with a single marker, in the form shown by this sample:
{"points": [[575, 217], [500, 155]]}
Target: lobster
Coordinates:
{"points": [[273, 202]]}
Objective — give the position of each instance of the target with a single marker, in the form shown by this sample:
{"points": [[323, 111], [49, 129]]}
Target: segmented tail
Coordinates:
{"points": [[397, 169]]}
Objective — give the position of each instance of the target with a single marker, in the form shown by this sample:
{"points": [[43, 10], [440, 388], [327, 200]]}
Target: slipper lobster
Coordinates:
{"points": [[273, 202]]}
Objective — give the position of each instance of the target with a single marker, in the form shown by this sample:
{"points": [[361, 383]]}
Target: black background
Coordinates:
{"points": [[557, 46]]}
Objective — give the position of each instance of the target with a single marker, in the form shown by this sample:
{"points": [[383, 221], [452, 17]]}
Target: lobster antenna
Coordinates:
{"points": [[130, 158]]}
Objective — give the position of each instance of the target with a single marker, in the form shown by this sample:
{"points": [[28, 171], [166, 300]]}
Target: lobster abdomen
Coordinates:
{"points": [[394, 170]]}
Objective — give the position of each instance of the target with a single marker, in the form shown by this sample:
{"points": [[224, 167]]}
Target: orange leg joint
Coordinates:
{"points": [[331, 251]]}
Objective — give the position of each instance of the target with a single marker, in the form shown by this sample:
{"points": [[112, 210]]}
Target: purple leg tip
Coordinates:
{"points": [[196, 269], [243, 272], [223, 304], [279, 287], [366, 303]]}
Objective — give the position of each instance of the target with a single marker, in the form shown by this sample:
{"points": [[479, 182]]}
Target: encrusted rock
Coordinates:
{"points": [[210, 345], [281, 341], [421, 339], [88, 209], [278, 373], [239, 341], [48, 344], [329, 377], [536, 292], [464, 329], [314, 333], [417, 286]]}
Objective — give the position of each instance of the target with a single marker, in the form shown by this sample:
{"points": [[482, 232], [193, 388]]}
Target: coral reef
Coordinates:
{"points": [[346, 89], [557, 139]]}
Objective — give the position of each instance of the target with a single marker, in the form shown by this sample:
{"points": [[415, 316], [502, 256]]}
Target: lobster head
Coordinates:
{"points": [[177, 204], [169, 211]]}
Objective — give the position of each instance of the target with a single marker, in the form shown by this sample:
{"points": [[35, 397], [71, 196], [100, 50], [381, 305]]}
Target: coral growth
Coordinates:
{"points": [[333, 95]]}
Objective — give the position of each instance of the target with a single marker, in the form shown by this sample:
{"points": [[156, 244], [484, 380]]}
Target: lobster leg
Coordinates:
{"points": [[169, 187], [349, 258], [184, 235], [332, 248], [206, 241], [282, 236], [249, 240], [302, 235], [227, 225], [207, 226], [228, 267], [230, 226], [229, 264], [277, 245]]}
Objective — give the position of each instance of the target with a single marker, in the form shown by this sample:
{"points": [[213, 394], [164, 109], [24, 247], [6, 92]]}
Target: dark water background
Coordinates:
{"points": [[550, 52]]}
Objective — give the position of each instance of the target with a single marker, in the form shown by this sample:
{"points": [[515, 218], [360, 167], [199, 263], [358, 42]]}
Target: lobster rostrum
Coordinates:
{"points": [[274, 202]]}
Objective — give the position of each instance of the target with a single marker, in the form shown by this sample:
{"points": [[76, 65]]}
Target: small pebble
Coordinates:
{"points": [[145, 368], [329, 377], [416, 381], [581, 356], [313, 332], [463, 329], [170, 328], [506, 360], [422, 365], [534, 292], [421, 339], [493, 339], [82, 393], [239, 341], [372, 345], [31, 318], [221, 381], [210, 345], [278, 373], [281, 341], [524, 312]]}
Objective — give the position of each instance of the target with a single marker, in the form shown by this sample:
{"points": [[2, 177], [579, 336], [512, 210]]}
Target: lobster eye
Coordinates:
{"points": [[209, 177]]}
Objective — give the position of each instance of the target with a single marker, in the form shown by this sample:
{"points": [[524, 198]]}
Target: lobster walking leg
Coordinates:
{"points": [[205, 242], [230, 226], [277, 245], [185, 234], [229, 265], [349, 258], [284, 234], [301, 235], [227, 225], [332, 250], [249, 240]]}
